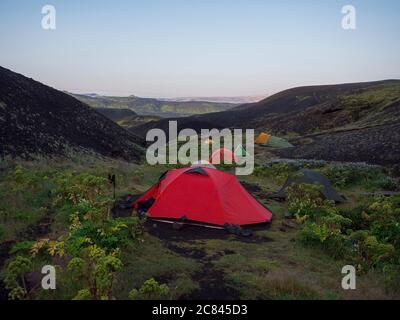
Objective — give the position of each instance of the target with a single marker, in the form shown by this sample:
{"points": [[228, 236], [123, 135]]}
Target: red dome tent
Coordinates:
{"points": [[223, 155], [202, 195]]}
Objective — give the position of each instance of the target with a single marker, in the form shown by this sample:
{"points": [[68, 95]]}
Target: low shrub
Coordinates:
{"points": [[110, 234], [323, 225], [326, 237], [383, 217], [22, 247], [354, 174], [96, 269], [15, 277], [277, 171], [150, 290], [368, 235], [369, 251], [383, 182], [305, 201], [80, 203]]}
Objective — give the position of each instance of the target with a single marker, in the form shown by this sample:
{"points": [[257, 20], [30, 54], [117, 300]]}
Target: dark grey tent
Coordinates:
{"points": [[310, 177]]}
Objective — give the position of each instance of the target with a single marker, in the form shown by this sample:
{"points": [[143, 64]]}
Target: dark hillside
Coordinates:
{"points": [[37, 119]]}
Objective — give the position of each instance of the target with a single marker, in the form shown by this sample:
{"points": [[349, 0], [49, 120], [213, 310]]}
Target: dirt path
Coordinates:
{"points": [[185, 242]]}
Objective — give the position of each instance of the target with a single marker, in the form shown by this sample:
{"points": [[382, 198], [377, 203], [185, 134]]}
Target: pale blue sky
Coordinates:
{"points": [[176, 48]]}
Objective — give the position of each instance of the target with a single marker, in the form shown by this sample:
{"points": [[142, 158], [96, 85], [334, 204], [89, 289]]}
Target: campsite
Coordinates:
{"points": [[228, 153], [118, 227], [284, 259], [193, 230]]}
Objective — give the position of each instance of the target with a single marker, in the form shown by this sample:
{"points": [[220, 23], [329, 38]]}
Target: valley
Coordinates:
{"points": [[57, 205], [155, 107]]}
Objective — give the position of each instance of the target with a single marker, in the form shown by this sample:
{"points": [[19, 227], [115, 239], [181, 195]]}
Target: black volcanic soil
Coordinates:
{"points": [[210, 279], [376, 145], [37, 119]]}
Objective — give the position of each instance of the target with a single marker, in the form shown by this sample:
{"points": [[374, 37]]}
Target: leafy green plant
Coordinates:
{"points": [[370, 252], [21, 247], [48, 247], [383, 215], [384, 183], [96, 269], [323, 225], [277, 171], [14, 277], [150, 290], [305, 200], [353, 174], [368, 235], [78, 196], [325, 237], [109, 234]]}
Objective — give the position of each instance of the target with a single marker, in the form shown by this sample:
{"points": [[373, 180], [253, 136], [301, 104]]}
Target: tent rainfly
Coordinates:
{"points": [[240, 151], [202, 195], [223, 155], [203, 163], [310, 177], [262, 138]]}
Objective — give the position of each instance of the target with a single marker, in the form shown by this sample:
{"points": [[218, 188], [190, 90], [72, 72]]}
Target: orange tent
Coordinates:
{"points": [[262, 138]]}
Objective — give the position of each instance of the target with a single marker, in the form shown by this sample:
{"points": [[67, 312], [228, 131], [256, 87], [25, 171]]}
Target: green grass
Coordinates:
{"points": [[151, 259], [273, 264], [26, 187]]}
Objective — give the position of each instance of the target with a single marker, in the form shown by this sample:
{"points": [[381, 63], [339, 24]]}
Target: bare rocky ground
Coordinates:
{"points": [[375, 145]]}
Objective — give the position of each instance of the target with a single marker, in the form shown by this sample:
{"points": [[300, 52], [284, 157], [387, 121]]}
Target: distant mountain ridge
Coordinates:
{"points": [[233, 100], [37, 119]]}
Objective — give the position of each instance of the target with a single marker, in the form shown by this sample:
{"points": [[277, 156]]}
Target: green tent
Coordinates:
{"points": [[240, 151], [310, 177], [276, 142]]}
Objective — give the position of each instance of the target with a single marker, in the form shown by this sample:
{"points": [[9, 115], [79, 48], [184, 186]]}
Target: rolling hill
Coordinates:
{"points": [[356, 120], [116, 114], [137, 120], [154, 107], [37, 119]]}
